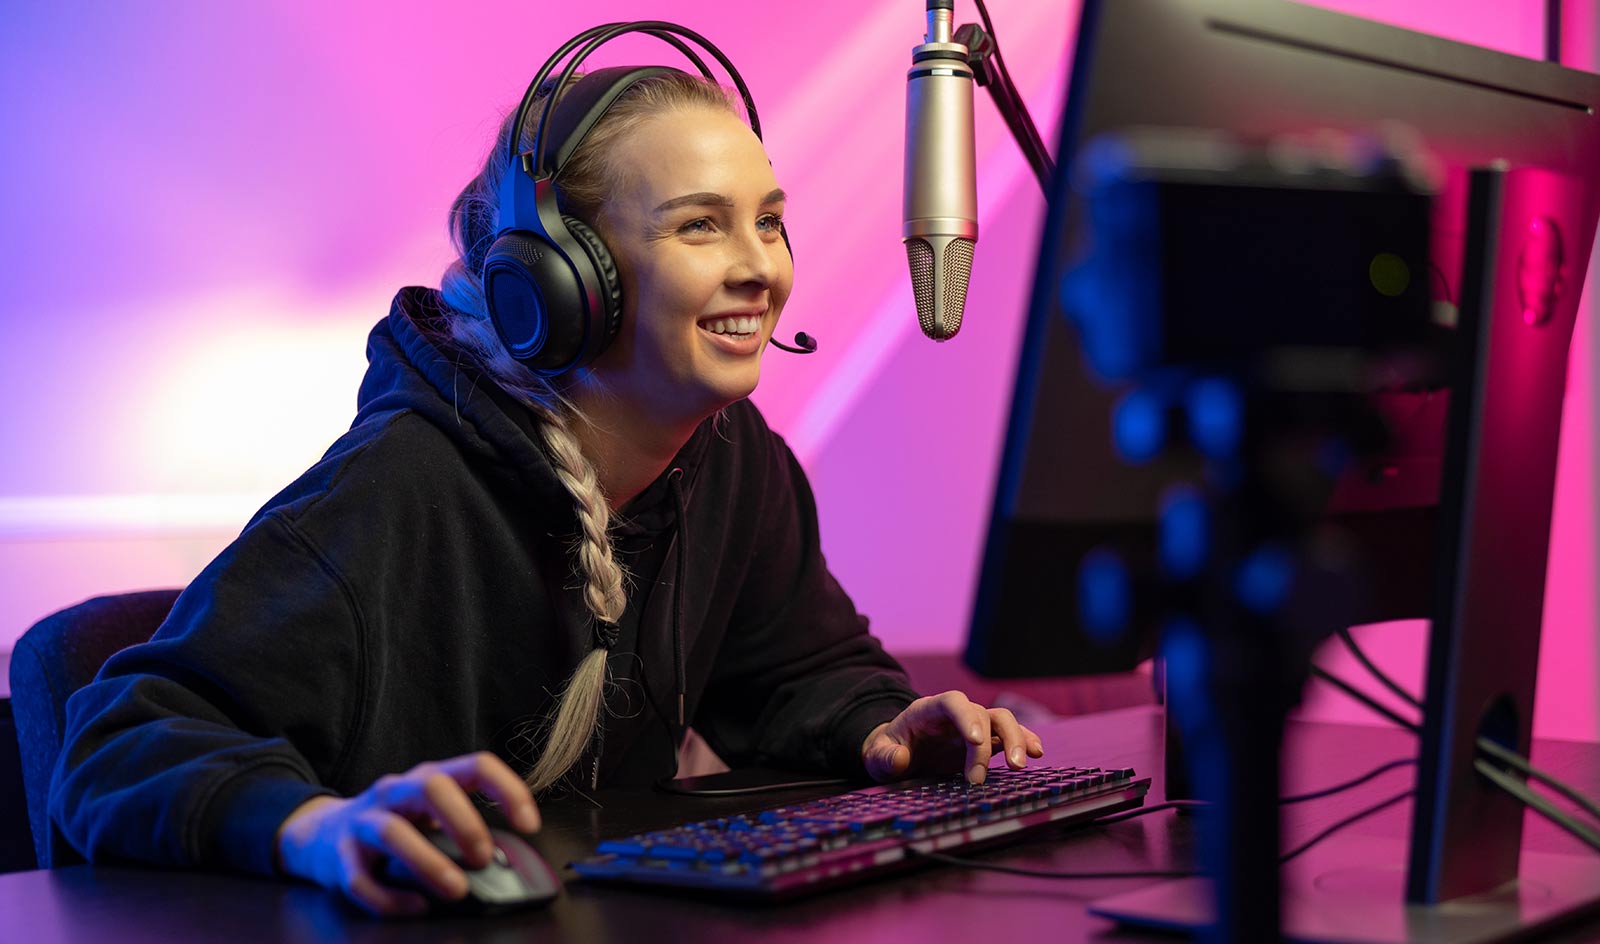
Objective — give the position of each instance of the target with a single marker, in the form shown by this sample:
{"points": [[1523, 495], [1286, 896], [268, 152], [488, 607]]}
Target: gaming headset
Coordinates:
{"points": [[552, 288]]}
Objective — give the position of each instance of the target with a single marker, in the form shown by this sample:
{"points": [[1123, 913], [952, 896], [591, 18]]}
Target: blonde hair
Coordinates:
{"points": [[582, 185]]}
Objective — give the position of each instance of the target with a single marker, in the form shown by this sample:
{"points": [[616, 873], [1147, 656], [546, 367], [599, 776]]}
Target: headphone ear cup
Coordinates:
{"points": [[517, 307], [610, 283]]}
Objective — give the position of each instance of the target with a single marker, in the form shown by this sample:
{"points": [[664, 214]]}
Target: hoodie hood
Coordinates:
{"points": [[407, 371]]}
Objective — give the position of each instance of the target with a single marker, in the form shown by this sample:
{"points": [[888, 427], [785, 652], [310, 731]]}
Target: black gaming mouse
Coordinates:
{"points": [[517, 876]]}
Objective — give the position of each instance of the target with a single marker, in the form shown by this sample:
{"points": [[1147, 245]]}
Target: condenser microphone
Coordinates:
{"points": [[941, 195], [807, 344]]}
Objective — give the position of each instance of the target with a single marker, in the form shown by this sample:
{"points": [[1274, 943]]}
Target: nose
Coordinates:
{"points": [[753, 260]]}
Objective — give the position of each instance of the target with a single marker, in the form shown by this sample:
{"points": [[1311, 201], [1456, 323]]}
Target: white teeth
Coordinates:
{"points": [[747, 324]]}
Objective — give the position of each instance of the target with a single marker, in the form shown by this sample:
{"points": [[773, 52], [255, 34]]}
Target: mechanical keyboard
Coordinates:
{"points": [[817, 844]]}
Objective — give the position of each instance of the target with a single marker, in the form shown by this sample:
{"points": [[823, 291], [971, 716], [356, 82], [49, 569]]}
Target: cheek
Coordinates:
{"points": [[784, 285], [668, 302]]}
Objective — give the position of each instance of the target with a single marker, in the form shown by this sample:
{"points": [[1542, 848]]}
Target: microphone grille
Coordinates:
{"points": [[920, 257], [958, 269], [939, 282]]}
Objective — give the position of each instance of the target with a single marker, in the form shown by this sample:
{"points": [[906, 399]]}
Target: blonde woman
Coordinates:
{"points": [[516, 584]]}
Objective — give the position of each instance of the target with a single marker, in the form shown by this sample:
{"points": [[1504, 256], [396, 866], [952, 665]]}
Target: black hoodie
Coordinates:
{"points": [[411, 597]]}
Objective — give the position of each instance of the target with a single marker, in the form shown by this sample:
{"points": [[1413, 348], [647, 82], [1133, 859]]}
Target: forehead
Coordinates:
{"points": [[689, 150]]}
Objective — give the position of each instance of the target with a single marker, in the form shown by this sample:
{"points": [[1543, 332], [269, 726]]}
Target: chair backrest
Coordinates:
{"points": [[59, 655]]}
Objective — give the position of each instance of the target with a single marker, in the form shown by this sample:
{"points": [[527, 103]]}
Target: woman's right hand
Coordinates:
{"points": [[341, 844]]}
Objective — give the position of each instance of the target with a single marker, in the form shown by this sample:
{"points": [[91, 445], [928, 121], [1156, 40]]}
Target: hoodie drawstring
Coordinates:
{"points": [[675, 482]]}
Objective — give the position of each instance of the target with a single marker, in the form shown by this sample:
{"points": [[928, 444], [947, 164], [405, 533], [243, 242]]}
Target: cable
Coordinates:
{"points": [[1147, 810], [1499, 752], [1485, 745], [1488, 770], [1188, 805], [1020, 121], [999, 60], [1364, 698], [1329, 791], [1536, 802], [1041, 873], [1296, 851], [1377, 673], [735, 783], [1197, 805], [1353, 818]]}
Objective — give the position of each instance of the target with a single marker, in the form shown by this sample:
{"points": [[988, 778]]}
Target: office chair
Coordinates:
{"points": [[59, 655]]}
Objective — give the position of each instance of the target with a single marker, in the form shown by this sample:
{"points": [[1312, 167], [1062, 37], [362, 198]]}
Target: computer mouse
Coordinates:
{"points": [[517, 876]]}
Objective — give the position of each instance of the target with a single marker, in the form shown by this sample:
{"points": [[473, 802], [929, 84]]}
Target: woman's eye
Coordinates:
{"points": [[696, 226], [772, 222]]}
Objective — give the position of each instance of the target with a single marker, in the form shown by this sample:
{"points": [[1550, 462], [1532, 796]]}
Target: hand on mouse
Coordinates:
{"points": [[341, 844], [943, 734]]}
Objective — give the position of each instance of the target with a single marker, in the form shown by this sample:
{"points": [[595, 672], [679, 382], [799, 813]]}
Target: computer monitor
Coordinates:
{"points": [[1465, 545]]}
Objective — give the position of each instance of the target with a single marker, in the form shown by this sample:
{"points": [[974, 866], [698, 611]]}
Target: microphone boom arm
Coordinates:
{"points": [[989, 71]]}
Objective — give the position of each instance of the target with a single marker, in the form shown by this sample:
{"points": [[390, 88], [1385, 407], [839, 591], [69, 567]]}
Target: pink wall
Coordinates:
{"points": [[208, 205]]}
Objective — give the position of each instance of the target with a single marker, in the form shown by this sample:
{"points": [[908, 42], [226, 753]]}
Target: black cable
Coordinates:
{"points": [[1365, 699], [1329, 791], [1000, 60], [1537, 803], [1147, 810], [1287, 856], [1500, 753], [1498, 777], [1485, 745], [1377, 673], [1352, 818], [1022, 128], [1185, 805], [1041, 873], [706, 785]]}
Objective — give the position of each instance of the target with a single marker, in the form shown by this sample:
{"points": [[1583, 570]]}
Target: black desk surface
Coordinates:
{"points": [[90, 904]]}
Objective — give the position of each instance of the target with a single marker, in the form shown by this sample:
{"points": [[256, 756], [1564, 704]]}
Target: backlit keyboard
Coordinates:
{"points": [[813, 845]]}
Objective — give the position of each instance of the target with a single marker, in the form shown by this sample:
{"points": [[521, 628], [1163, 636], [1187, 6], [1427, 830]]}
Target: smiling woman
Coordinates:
{"points": [[514, 576]]}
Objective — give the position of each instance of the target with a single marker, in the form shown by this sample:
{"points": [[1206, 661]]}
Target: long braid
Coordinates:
{"points": [[579, 713], [603, 589]]}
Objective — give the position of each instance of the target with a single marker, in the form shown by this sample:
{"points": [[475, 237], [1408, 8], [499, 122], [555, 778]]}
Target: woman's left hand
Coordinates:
{"points": [[942, 734]]}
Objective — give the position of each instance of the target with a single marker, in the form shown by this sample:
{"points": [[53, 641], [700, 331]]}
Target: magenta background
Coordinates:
{"points": [[206, 206]]}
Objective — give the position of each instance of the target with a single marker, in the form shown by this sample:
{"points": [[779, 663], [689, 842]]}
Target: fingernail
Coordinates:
{"points": [[1016, 756], [976, 773], [527, 819]]}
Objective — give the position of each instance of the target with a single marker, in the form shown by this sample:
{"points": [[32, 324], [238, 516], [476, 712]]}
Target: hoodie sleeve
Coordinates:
{"points": [[798, 682], [179, 753]]}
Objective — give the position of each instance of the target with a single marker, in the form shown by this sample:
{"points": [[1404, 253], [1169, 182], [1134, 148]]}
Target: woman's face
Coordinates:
{"points": [[694, 227]]}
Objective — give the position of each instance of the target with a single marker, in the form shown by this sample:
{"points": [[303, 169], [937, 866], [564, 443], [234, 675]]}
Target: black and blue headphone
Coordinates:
{"points": [[552, 288]]}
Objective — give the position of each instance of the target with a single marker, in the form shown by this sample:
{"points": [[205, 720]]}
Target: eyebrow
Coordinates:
{"points": [[706, 198]]}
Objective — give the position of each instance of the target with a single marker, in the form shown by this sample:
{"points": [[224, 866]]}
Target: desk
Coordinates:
{"points": [[85, 904]]}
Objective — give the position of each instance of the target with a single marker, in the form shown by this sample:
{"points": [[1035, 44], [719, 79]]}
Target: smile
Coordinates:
{"points": [[739, 324]]}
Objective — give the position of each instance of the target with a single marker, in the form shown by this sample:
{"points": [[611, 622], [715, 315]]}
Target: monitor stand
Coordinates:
{"points": [[1335, 892]]}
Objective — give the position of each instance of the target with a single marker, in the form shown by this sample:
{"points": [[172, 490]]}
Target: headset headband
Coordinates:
{"points": [[533, 163], [550, 284]]}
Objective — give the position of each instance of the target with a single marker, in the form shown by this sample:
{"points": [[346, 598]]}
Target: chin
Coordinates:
{"points": [[735, 387]]}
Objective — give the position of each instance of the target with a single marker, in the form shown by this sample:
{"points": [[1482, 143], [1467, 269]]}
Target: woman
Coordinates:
{"points": [[494, 570]]}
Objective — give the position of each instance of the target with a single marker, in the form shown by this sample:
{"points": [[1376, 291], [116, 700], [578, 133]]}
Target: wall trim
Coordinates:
{"points": [[79, 517]]}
